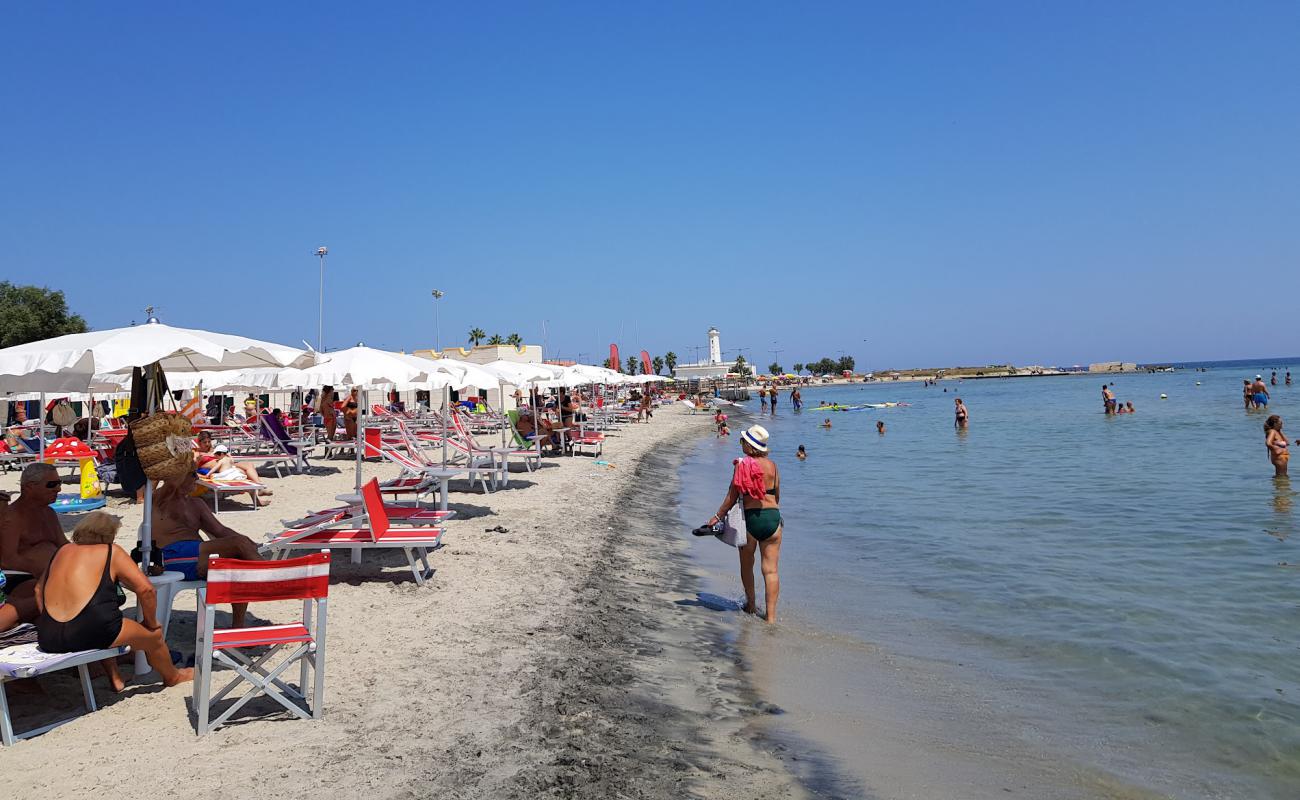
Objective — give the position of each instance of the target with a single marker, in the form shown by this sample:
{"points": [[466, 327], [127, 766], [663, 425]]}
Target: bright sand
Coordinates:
{"points": [[558, 659]]}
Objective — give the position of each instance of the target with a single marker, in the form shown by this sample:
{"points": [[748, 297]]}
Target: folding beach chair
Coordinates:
{"points": [[234, 581], [373, 531]]}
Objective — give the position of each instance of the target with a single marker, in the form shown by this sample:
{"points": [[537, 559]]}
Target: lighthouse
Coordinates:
{"points": [[715, 347]]}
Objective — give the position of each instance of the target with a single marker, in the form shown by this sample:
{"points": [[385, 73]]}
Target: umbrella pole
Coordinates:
{"points": [[359, 444], [146, 528], [505, 421], [40, 428], [446, 421]]}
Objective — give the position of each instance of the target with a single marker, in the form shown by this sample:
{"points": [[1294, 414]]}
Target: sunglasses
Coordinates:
{"points": [[53, 484]]}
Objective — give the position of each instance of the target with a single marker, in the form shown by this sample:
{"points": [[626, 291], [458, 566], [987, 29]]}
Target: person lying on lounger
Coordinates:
{"points": [[178, 517], [217, 463]]}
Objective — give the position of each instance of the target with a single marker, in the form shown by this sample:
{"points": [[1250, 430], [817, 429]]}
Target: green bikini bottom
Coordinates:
{"points": [[761, 523]]}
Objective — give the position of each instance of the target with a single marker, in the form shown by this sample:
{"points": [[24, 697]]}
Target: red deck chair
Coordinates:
{"points": [[373, 531], [234, 581]]}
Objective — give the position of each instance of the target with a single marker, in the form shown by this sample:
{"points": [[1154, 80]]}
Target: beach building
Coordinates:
{"points": [[713, 368], [1113, 366], [487, 353]]}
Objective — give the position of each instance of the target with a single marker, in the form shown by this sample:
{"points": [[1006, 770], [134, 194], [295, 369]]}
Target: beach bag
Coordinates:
{"points": [[164, 445], [731, 533], [63, 415]]}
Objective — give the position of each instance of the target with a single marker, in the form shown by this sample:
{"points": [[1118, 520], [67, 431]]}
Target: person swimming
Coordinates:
{"points": [[801, 454], [1275, 441], [826, 423], [962, 415], [880, 426], [1129, 406], [1247, 395]]}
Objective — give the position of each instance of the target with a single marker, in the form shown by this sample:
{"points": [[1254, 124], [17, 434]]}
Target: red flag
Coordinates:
{"points": [[613, 358], [645, 362]]}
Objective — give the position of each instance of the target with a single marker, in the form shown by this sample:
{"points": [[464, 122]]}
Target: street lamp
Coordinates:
{"points": [[437, 323], [321, 252]]}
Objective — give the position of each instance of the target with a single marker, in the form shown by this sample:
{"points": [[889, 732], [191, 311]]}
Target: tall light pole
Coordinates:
{"points": [[437, 323], [320, 318], [776, 354]]}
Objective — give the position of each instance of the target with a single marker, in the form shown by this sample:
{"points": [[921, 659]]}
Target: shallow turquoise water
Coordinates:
{"points": [[1134, 573]]}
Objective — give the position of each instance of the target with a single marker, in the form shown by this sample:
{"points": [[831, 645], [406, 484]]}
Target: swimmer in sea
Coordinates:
{"points": [[1108, 398], [826, 423], [1276, 443], [1288, 377], [801, 454], [962, 418], [1129, 408], [1273, 378], [1246, 395], [880, 427]]}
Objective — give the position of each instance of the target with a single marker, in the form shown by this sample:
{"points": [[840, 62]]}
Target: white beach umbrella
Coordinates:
{"points": [[361, 366], [69, 363]]}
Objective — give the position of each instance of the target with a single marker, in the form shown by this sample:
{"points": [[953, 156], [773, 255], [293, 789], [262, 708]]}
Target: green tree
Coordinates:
{"points": [[496, 340], [823, 367], [658, 363], [775, 368], [741, 367], [670, 358], [633, 365], [514, 340], [476, 335], [845, 364], [32, 313], [798, 369], [606, 364]]}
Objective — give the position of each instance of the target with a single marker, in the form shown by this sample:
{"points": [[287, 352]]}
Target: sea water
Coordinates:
{"points": [[1123, 591]]}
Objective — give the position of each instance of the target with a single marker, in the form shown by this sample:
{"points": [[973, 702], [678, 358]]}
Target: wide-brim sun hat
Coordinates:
{"points": [[756, 437]]}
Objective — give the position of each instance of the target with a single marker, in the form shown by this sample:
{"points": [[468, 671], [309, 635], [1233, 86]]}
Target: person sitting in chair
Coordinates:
{"points": [[78, 602], [30, 534], [178, 517]]}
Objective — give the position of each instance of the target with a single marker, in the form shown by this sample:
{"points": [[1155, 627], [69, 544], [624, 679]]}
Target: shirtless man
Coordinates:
{"points": [[30, 534], [177, 519], [1259, 392]]}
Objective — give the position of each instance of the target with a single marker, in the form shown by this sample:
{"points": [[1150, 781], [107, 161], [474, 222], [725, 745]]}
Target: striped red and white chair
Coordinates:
{"points": [[345, 529], [234, 581]]}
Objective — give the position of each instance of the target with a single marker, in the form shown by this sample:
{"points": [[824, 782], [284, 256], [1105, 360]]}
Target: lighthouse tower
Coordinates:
{"points": [[715, 347]]}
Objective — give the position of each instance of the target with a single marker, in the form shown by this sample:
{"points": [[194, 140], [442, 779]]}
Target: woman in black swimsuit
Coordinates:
{"points": [[77, 598]]}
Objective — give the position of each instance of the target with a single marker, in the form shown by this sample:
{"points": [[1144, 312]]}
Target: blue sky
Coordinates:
{"points": [[910, 183]]}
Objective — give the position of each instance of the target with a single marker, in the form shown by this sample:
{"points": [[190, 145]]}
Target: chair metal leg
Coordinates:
{"points": [[87, 690], [6, 726]]}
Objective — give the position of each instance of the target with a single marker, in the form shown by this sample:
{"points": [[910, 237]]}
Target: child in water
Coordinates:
{"points": [[826, 423], [880, 426], [802, 454]]}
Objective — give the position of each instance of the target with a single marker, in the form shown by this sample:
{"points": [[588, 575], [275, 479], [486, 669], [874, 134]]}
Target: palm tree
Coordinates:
{"points": [[514, 340], [632, 365], [798, 369], [670, 358], [606, 364], [477, 335], [496, 340], [658, 363], [774, 368], [741, 368]]}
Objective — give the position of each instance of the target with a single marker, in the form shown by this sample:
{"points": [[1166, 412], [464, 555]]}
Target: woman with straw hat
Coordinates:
{"points": [[756, 483]]}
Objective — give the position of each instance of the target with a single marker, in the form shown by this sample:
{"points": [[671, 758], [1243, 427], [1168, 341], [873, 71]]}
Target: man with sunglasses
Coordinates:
{"points": [[30, 534]]}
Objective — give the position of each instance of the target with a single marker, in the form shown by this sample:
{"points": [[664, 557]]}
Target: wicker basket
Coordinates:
{"points": [[153, 455], [151, 430], [172, 468]]}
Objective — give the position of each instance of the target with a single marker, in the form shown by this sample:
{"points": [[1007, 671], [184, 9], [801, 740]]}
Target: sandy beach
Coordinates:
{"points": [[561, 658]]}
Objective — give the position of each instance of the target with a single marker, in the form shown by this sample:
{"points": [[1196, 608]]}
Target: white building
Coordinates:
{"points": [[715, 367], [487, 353]]}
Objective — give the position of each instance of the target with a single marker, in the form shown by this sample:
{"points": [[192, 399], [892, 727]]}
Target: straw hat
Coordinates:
{"points": [[756, 437]]}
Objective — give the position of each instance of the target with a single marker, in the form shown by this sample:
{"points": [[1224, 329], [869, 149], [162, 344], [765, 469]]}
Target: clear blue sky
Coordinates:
{"points": [[950, 182]]}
